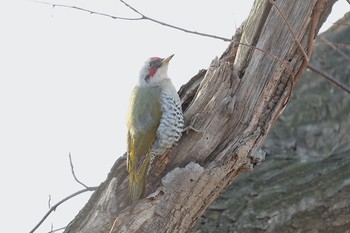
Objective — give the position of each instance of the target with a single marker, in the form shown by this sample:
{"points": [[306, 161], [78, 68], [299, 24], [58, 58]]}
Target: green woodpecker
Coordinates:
{"points": [[155, 121]]}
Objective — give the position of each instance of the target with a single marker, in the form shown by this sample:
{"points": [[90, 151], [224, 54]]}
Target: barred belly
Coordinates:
{"points": [[171, 125]]}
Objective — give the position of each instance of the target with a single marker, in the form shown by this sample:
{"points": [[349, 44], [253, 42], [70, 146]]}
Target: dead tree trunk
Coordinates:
{"points": [[304, 184], [234, 103]]}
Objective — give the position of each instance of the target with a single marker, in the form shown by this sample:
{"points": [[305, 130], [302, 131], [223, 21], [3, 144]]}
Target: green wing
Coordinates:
{"points": [[142, 121]]}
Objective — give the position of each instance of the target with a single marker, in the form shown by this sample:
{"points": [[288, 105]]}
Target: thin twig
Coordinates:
{"points": [[271, 55], [335, 48], [53, 208], [72, 170], [58, 229], [142, 17], [331, 79], [49, 201], [172, 26], [285, 101], [313, 23], [307, 55], [291, 30], [345, 24], [85, 10], [114, 222]]}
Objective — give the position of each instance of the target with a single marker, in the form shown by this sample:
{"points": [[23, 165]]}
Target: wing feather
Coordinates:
{"points": [[143, 120]]}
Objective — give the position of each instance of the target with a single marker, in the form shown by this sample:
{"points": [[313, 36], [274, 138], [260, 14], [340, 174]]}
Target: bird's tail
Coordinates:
{"points": [[137, 181], [136, 187]]}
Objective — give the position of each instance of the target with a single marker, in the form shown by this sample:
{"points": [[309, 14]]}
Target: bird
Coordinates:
{"points": [[154, 122]]}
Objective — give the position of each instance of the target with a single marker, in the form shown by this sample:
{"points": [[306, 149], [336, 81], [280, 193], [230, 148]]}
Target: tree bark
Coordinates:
{"points": [[304, 185], [234, 104]]}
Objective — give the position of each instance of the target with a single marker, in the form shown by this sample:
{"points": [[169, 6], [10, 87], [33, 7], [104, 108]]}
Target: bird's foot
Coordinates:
{"points": [[191, 127]]}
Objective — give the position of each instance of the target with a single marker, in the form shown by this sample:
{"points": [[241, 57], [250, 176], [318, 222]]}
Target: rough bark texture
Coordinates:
{"points": [[234, 105], [304, 184]]}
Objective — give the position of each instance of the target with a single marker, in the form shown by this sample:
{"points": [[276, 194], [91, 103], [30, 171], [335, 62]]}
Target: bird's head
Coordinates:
{"points": [[154, 71]]}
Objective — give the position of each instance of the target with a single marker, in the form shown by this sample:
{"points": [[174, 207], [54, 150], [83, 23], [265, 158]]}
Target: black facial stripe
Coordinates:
{"points": [[147, 77]]}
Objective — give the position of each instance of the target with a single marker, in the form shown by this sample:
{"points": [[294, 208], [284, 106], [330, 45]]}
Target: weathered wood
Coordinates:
{"points": [[234, 105], [304, 184]]}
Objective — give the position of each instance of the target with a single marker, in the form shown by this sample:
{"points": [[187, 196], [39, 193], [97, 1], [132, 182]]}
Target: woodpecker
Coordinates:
{"points": [[154, 121]]}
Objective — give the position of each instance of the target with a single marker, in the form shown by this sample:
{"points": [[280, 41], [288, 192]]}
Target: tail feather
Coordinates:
{"points": [[136, 187], [138, 178]]}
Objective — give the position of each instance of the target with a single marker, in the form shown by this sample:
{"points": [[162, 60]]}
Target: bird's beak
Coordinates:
{"points": [[166, 60]]}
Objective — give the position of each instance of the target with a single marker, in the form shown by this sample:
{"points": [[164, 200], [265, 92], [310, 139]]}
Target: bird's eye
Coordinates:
{"points": [[150, 64]]}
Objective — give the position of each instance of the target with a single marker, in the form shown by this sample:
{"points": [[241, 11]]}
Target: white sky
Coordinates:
{"points": [[65, 80]]}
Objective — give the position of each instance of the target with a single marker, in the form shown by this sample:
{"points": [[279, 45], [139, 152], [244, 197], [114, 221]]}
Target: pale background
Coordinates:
{"points": [[65, 79]]}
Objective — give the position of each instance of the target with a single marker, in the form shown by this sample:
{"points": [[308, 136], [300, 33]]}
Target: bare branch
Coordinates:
{"points": [[283, 63], [346, 24], [53, 208], [329, 78], [172, 26], [58, 229], [306, 55], [271, 55], [49, 201], [85, 10], [291, 30], [142, 17], [72, 170], [336, 49]]}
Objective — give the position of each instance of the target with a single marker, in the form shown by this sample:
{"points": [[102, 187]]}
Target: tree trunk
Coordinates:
{"points": [[304, 185], [234, 104]]}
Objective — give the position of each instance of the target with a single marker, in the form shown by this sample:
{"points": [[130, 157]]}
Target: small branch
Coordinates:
{"points": [[53, 208], [291, 31], [142, 17], [283, 63], [345, 24], [172, 26], [85, 10], [271, 55], [328, 77], [49, 201], [306, 55], [72, 170], [58, 229], [313, 23], [336, 49]]}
